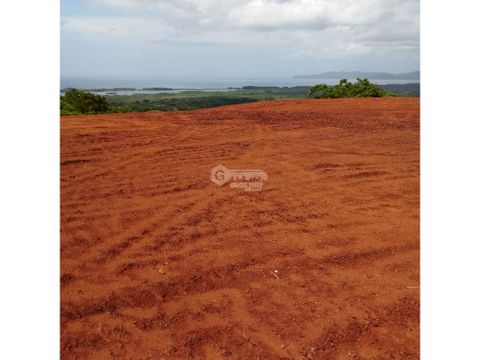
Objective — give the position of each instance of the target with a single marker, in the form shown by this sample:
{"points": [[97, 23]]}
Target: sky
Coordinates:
{"points": [[237, 38]]}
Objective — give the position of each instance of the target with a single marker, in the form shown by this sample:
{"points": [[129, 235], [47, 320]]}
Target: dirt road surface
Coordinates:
{"points": [[157, 262]]}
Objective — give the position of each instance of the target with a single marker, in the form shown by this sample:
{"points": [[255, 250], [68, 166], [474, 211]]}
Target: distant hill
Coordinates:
{"points": [[414, 75]]}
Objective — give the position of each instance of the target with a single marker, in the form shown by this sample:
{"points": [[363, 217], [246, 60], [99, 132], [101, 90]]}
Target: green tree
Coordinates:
{"points": [[346, 89], [82, 102]]}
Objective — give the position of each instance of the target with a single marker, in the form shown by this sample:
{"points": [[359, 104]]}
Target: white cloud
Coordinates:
{"points": [[121, 29], [317, 27]]}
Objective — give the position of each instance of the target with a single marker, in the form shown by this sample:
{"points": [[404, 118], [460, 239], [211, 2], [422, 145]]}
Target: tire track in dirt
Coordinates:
{"points": [[158, 262]]}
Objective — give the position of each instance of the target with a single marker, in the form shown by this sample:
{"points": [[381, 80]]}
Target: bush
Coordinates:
{"points": [[82, 102], [346, 89], [67, 109]]}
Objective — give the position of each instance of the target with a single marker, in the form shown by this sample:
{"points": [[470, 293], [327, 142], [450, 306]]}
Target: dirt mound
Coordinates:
{"points": [[159, 262]]}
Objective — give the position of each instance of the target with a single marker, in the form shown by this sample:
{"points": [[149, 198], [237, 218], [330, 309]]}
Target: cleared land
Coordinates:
{"points": [[158, 262]]}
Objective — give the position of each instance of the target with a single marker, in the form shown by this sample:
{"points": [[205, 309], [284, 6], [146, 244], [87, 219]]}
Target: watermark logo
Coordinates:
{"points": [[248, 180]]}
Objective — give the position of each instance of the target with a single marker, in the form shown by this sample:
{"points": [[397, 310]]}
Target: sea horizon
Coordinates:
{"points": [[182, 83]]}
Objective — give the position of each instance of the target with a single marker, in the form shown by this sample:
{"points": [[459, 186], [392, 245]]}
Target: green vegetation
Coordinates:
{"points": [[76, 101], [410, 89], [191, 100], [82, 102], [346, 89], [157, 102]]}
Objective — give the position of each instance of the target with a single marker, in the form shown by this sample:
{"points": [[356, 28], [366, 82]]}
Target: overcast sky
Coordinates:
{"points": [[237, 37]]}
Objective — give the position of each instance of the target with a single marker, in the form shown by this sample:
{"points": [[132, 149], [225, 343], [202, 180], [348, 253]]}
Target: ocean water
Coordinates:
{"points": [[193, 83]]}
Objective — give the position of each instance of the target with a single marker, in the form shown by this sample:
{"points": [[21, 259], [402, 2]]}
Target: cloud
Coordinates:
{"points": [[118, 29], [312, 29], [272, 13]]}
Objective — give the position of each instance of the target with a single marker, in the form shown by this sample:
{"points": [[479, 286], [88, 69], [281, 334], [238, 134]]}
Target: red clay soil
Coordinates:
{"points": [[157, 262]]}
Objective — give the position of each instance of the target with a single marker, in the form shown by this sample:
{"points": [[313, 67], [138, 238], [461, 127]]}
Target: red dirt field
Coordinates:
{"points": [[157, 262]]}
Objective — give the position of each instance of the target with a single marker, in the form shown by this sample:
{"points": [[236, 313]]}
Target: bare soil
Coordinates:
{"points": [[157, 262]]}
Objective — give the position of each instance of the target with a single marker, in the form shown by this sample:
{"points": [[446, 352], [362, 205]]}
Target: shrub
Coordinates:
{"points": [[82, 102], [346, 89], [67, 109]]}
